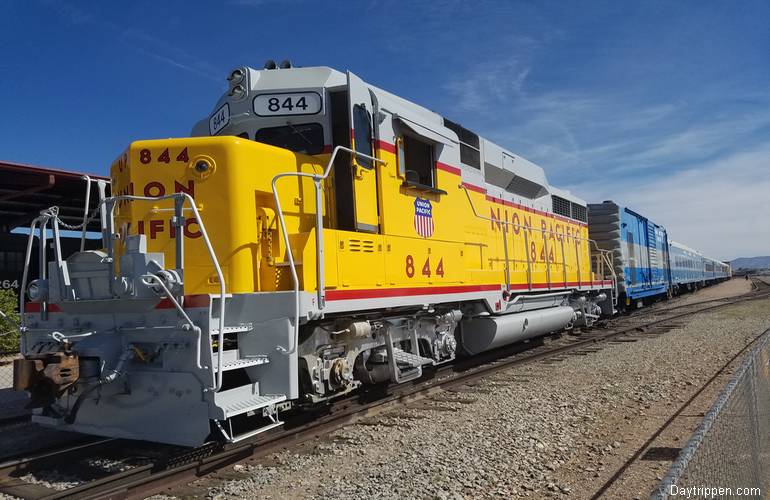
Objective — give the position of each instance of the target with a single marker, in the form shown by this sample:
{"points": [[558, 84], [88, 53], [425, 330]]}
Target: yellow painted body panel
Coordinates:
{"points": [[236, 203]]}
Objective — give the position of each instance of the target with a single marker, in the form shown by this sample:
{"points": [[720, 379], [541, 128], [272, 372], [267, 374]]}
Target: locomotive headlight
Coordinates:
{"points": [[202, 166], [37, 291], [238, 92], [236, 76]]}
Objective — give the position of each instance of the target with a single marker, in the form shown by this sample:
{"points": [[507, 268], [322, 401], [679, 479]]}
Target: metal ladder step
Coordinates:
{"points": [[232, 360], [232, 403], [412, 360], [231, 438], [244, 327]]}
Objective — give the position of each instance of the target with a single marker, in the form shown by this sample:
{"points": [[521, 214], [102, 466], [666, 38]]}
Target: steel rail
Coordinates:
{"points": [[23, 463], [759, 286]]}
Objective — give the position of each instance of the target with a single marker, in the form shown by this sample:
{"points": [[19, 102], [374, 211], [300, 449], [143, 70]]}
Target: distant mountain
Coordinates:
{"points": [[751, 262]]}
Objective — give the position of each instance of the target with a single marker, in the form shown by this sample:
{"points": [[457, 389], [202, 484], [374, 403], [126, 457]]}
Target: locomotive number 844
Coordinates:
{"points": [[314, 235]]}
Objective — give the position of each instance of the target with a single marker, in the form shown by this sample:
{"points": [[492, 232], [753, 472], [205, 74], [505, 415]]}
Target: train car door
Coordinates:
{"points": [[665, 259], [652, 254], [645, 270], [360, 110]]}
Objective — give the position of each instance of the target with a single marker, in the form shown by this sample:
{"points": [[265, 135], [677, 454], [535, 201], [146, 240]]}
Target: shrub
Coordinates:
{"points": [[9, 325]]}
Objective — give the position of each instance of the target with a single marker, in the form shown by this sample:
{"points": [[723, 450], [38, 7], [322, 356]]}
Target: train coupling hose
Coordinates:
{"points": [[116, 372], [113, 375]]}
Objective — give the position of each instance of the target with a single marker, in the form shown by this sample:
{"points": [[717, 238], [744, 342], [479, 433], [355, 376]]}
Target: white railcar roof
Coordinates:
{"points": [[685, 247], [696, 252]]}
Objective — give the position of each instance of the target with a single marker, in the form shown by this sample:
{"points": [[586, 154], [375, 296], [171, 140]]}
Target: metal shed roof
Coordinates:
{"points": [[25, 190]]}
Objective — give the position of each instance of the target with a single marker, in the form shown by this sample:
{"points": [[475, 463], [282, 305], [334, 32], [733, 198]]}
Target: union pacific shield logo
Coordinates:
{"points": [[423, 217]]}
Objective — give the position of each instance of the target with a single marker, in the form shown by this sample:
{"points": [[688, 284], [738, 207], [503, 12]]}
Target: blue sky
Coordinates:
{"points": [[664, 106]]}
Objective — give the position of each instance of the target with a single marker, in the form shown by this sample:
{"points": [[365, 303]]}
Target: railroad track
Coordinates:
{"points": [[758, 286], [639, 453], [118, 468]]}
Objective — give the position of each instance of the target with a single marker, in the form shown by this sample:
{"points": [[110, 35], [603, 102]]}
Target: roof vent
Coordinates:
{"points": [[270, 64], [285, 64]]}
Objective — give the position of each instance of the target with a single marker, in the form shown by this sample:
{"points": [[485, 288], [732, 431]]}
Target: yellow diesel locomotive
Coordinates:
{"points": [[315, 234]]}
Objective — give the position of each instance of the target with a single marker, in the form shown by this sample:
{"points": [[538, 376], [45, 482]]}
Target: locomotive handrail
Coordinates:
{"points": [[544, 231], [526, 238], [317, 179], [85, 212], [24, 275], [505, 244], [610, 265], [41, 223], [179, 199], [182, 313], [512, 224], [106, 207]]}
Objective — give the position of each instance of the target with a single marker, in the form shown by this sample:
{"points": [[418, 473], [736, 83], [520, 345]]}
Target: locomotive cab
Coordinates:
{"points": [[308, 111]]}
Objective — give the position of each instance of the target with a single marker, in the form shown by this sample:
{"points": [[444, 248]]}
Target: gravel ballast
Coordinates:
{"points": [[540, 430], [557, 429], [731, 288]]}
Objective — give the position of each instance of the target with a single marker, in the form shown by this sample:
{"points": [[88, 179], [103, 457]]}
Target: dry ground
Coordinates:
{"points": [[544, 430]]}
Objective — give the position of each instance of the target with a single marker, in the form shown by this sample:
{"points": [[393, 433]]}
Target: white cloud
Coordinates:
{"points": [[721, 208], [486, 85], [701, 139], [695, 164]]}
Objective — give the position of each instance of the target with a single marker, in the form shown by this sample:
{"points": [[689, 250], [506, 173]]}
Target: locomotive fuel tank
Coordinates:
{"points": [[483, 333]]}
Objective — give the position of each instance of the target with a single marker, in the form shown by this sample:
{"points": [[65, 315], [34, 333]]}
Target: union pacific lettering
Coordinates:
{"points": [[503, 220], [155, 228]]}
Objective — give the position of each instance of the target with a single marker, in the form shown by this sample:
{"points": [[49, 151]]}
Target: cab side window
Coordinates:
{"points": [[362, 124], [417, 161], [470, 152]]}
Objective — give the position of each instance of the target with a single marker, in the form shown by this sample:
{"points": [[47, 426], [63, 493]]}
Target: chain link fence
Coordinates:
{"points": [[12, 402], [728, 456]]}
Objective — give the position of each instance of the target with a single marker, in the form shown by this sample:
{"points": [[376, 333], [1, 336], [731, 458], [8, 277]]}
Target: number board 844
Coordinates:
{"points": [[288, 103]]}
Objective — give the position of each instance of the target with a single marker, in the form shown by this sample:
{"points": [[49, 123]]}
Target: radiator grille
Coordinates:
{"points": [[579, 212], [569, 209], [561, 206]]}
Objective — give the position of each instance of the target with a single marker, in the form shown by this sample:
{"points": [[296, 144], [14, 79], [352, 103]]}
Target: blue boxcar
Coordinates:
{"points": [[639, 248]]}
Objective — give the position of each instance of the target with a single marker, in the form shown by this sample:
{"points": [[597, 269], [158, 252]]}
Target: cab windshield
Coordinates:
{"points": [[307, 138]]}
